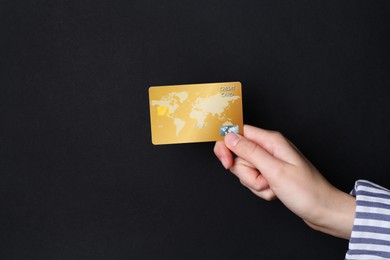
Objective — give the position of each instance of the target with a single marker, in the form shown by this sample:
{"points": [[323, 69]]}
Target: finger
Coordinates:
{"points": [[252, 179], [273, 142], [267, 194], [249, 176], [223, 154], [256, 155]]}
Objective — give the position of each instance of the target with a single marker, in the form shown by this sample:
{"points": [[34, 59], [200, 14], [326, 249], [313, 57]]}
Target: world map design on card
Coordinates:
{"points": [[195, 112]]}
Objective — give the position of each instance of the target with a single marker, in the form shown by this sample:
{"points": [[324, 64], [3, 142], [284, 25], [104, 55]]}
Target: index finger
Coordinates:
{"points": [[274, 143], [266, 163]]}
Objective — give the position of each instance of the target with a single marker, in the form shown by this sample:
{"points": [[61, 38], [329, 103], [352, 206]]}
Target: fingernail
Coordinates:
{"points": [[231, 139]]}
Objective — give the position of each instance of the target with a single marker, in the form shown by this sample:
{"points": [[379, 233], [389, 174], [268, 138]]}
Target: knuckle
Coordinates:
{"points": [[258, 186], [277, 139], [243, 183], [277, 135], [268, 197], [279, 171], [251, 150]]}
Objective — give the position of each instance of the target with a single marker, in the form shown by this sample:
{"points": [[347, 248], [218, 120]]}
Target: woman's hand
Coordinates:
{"points": [[272, 167]]}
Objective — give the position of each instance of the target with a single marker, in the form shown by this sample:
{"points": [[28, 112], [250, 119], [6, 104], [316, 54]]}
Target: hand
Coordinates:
{"points": [[272, 167]]}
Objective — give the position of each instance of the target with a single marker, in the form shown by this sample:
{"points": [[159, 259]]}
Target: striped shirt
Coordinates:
{"points": [[370, 238]]}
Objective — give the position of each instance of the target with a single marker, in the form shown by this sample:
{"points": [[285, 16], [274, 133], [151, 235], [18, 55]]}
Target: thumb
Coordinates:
{"points": [[253, 153]]}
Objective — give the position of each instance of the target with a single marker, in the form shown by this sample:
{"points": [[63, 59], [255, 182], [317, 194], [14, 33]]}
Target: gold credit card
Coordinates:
{"points": [[195, 112]]}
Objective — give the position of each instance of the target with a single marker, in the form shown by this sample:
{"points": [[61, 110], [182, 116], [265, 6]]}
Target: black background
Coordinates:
{"points": [[79, 176]]}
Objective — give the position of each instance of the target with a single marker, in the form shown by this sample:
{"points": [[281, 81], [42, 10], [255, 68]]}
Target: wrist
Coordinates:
{"points": [[336, 215]]}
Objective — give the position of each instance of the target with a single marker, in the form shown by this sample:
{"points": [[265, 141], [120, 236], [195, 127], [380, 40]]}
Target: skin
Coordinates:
{"points": [[271, 167]]}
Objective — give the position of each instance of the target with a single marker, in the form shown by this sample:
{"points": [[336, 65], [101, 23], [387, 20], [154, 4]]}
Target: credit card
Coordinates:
{"points": [[195, 112]]}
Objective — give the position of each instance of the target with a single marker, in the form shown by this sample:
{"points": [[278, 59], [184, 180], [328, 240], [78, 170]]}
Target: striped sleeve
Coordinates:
{"points": [[370, 238]]}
